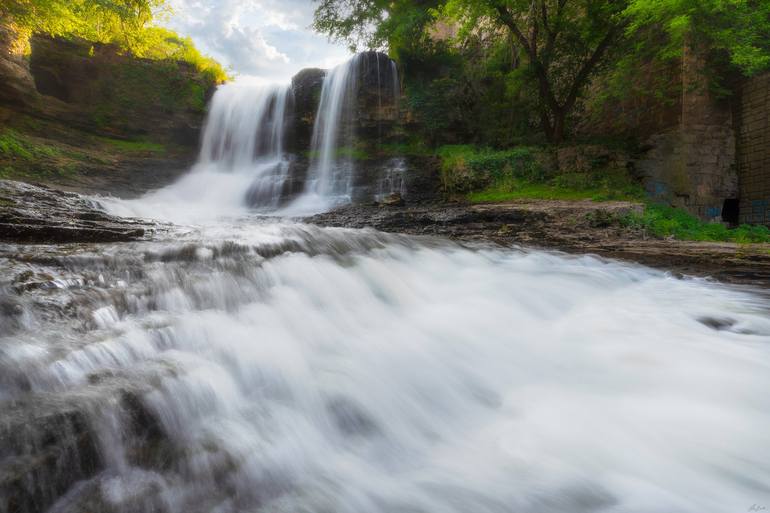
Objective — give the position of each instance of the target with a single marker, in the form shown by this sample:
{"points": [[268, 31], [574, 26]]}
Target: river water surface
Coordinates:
{"points": [[260, 365]]}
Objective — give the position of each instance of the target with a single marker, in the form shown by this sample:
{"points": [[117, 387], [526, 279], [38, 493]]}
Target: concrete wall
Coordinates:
{"points": [[692, 165], [754, 150]]}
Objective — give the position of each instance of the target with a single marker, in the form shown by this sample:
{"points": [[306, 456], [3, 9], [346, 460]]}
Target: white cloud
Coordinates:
{"points": [[267, 39]]}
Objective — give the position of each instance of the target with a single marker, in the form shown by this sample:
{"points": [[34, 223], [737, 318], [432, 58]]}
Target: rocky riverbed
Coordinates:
{"points": [[39, 214], [570, 226]]}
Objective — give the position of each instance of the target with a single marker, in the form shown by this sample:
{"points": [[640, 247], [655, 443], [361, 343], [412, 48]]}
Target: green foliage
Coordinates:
{"points": [[14, 145], [484, 175], [125, 23], [598, 185], [412, 148], [162, 44], [739, 29], [489, 71], [664, 222], [465, 168], [375, 23], [342, 152], [525, 190]]}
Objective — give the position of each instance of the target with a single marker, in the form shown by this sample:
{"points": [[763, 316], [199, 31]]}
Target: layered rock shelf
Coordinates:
{"points": [[38, 214]]}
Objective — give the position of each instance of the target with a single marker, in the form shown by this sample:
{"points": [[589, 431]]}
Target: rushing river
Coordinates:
{"points": [[267, 366], [241, 364]]}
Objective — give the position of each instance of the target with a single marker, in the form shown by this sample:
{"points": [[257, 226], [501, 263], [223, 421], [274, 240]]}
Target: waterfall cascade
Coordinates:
{"points": [[245, 163], [244, 134], [341, 113], [269, 367], [331, 172]]}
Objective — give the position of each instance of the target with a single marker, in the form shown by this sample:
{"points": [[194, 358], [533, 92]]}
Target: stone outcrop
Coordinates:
{"points": [[73, 103], [31, 213], [306, 92], [108, 93], [371, 122], [16, 84]]}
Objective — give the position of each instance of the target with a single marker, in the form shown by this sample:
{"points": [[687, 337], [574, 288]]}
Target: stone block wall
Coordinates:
{"points": [[692, 165], [754, 150]]}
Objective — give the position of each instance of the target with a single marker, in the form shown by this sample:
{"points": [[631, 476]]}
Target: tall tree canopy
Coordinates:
{"points": [[563, 43]]}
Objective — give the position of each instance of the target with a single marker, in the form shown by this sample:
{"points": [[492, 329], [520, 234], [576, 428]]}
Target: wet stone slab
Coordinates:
{"points": [[38, 214]]}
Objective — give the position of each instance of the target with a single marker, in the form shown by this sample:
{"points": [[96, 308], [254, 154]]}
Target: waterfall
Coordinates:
{"points": [[244, 164], [331, 171], [341, 111], [244, 134], [245, 126]]}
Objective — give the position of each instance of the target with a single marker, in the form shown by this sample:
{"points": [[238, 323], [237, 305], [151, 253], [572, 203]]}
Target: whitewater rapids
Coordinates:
{"points": [[296, 369]]}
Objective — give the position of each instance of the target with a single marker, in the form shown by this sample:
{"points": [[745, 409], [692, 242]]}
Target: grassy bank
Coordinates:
{"points": [[666, 222], [483, 175], [49, 152]]}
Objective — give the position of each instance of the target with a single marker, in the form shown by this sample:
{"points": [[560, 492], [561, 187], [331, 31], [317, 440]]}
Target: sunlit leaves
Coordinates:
{"points": [[126, 23]]}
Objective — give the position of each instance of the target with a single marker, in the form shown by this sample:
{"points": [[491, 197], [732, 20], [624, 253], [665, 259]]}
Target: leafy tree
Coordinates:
{"points": [[738, 29], [562, 44], [565, 42], [126, 23]]}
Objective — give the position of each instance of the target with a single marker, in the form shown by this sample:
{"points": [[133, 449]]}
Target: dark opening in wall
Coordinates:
{"points": [[730, 211]]}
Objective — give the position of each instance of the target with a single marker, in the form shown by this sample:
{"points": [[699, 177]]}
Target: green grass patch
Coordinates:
{"points": [[15, 145], [134, 146], [484, 175], [469, 169], [416, 148], [524, 190], [663, 222], [343, 152]]}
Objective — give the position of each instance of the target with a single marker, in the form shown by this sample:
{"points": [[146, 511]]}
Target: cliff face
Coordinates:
{"points": [[370, 133], [121, 95], [83, 116]]}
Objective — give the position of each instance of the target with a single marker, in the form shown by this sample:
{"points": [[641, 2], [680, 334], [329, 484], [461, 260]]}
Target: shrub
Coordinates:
{"points": [[465, 168], [662, 222]]}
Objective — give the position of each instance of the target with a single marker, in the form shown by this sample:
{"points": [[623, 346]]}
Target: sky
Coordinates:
{"points": [[267, 40]]}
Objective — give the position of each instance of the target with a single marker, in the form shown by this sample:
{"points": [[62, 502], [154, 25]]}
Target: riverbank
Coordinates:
{"points": [[37, 214], [571, 226]]}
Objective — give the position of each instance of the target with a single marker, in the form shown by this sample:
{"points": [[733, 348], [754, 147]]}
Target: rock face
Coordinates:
{"points": [[94, 120], [109, 93], [30, 213], [370, 126], [306, 92], [16, 86]]}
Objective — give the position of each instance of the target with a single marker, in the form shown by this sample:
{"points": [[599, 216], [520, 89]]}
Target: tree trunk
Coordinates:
{"points": [[559, 126]]}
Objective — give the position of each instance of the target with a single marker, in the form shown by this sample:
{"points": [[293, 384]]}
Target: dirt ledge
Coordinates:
{"points": [[570, 226]]}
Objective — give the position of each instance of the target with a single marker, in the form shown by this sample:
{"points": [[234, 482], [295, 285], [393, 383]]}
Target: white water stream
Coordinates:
{"points": [[292, 368]]}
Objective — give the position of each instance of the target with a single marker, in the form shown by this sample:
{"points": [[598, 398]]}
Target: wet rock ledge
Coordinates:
{"points": [[571, 226], [38, 214]]}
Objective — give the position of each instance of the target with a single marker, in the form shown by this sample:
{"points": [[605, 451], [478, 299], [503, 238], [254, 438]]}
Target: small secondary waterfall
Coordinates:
{"points": [[331, 172], [334, 150]]}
